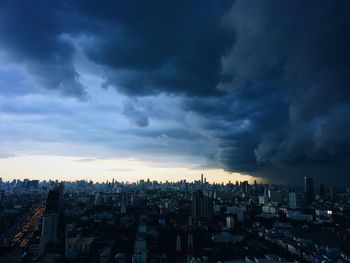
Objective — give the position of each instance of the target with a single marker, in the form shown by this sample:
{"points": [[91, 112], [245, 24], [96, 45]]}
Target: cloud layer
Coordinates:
{"points": [[255, 87]]}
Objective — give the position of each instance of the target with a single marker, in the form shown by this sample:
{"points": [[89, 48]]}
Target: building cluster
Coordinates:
{"points": [[182, 221]]}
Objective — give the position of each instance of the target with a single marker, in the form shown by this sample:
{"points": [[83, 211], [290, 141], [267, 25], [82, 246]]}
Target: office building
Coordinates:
{"points": [[202, 207], [292, 200], [308, 190], [51, 231]]}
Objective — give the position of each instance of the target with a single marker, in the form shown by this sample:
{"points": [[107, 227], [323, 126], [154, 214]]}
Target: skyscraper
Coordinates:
{"points": [[292, 200], [124, 202], [245, 187], [308, 190], [333, 192], [202, 206], [50, 232]]}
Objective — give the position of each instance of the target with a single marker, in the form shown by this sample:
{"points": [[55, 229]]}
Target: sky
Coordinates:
{"points": [[167, 90]]}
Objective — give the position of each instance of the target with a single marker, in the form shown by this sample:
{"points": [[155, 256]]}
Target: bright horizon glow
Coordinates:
{"points": [[67, 168]]}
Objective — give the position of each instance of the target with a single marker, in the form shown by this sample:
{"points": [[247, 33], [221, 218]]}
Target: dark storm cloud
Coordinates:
{"points": [[32, 35], [239, 121], [270, 80], [145, 48], [161, 47], [289, 70]]}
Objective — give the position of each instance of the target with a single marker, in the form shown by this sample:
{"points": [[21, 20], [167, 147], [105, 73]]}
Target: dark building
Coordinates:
{"points": [[124, 202], [322, 190], [202, 207], [31, 184], [2, 195], [308, 190], [333, 193], [246, 187], [51, 232]]}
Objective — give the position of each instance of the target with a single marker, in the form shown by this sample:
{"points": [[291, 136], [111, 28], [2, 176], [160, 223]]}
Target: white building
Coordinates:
{"points": [[230, 222], [269, 209], [263, 200]]}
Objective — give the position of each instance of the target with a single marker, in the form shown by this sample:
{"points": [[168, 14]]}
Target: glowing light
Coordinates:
{"points": [[99, 170]]}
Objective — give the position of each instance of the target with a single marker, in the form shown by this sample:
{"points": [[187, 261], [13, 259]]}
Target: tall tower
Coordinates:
{"points": [[308, 190], [201, 178], [50, 232], [190, 240]]}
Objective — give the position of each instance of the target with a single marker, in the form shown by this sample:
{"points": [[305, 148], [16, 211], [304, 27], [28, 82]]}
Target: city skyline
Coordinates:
{"points": [[183, 221], [203, 131], [65, 169], [236, 90]]}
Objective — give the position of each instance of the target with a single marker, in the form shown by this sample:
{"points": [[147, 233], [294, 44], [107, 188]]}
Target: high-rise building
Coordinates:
{"points": [[292, 200], [308, 190], [202, 206], [51, 230], [125, 202], [230, 222], [333, 192], [48, 232], [140, 250], [246, 187]]}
